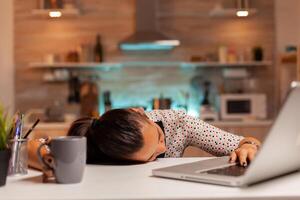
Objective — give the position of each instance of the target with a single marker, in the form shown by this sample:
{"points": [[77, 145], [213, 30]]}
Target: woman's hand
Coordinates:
{"points": [[33, 159], [246, 151]]}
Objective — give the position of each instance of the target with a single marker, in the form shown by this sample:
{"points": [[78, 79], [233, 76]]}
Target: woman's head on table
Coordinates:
{"points": [[121, 135]]}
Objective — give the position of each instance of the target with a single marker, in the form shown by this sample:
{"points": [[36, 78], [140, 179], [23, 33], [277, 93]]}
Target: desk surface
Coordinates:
{"points": [[135, 182]]}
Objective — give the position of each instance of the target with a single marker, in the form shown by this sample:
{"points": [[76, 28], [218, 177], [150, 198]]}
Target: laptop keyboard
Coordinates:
{"points": [[235, 170]]}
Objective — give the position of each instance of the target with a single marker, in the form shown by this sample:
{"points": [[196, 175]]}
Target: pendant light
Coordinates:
{"points": [[242, 8]]}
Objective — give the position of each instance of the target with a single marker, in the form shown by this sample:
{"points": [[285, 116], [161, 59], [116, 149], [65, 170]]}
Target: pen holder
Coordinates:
{"points": [[18, 164]]}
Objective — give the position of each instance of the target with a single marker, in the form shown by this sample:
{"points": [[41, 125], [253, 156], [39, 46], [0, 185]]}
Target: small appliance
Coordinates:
{"points": [[243, 106]]}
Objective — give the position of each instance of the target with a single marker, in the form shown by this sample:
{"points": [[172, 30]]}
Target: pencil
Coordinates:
{"points": [[32, 127]]}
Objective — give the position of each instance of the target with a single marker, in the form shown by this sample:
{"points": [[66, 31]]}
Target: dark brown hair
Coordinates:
{"points": [[113, 137]]}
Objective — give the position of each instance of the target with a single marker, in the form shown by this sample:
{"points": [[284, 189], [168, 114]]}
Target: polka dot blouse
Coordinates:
{"points": [[182, 130]]}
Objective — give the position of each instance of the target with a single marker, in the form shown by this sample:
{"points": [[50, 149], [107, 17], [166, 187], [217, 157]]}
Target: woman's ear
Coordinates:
{"points": [[162, 137], [161, 134]]}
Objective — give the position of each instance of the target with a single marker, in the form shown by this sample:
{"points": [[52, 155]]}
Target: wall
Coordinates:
{"points": [[6, 54], [287, 18], [186, 20]]}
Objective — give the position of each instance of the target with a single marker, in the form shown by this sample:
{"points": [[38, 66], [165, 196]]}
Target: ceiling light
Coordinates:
{"points": [[54, 14], [242, 8]]}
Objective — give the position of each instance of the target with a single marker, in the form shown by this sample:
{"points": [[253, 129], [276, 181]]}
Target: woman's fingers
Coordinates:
{"points": [[251, 154], [233, 157], [242, 155]]}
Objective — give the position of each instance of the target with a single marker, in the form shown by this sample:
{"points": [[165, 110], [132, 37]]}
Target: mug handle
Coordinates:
{"points": [[41, 159]]}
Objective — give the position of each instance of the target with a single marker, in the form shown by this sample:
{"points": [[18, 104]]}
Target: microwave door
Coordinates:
{"points": [[238, 109]]}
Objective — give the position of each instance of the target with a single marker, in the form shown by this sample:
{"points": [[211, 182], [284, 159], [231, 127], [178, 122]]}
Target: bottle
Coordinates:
{"points": [[74, 92], [207, 111], [205, 101], [258, 54], [223, 54], [98, 50], [231, 57], [89, 102], [107, 101]]}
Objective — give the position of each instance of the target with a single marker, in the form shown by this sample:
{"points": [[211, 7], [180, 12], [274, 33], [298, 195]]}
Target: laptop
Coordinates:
{"points": [[279, 154]]}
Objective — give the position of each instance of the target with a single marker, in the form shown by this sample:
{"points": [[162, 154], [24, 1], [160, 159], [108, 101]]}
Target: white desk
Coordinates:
{"points": [[135, 182]]}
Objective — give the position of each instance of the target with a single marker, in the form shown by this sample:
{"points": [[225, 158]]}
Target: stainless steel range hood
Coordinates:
{"points": [[146, 36]]}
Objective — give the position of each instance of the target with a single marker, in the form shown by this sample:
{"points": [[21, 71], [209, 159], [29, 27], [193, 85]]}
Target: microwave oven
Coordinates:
{"points": [[243, 106]]}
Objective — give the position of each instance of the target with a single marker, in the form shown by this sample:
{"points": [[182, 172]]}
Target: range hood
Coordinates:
{"points": [[146, 36]]}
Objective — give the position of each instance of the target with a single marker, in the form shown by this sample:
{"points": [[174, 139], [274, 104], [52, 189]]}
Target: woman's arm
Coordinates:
{"points": [[198, 133], [220, 142], [209, 138]]}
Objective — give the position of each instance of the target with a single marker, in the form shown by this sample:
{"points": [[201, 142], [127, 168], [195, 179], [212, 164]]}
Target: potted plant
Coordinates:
{"points": [[5, 126]]}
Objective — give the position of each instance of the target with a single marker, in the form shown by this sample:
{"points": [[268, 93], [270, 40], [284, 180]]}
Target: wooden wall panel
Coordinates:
{"points": [[187, 20]]}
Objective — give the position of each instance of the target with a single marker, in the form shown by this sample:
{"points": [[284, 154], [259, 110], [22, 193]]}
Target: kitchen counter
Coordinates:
{"points": [[46, 129], [54, 129], [136, 182], [62, 125], [50, 125], [248, 123]]}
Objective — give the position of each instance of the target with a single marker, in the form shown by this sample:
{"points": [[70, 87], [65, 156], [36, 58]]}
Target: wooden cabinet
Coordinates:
{"points": [[257, 129], [288, 71], [258, 132]]}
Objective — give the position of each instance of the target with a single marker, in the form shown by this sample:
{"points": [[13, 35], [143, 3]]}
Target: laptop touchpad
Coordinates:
{"points": [[234, 170]]}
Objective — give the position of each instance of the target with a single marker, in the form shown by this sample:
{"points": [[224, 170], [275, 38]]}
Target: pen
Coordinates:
{"points": [[17, 144], [14, 155], [17, 127]]}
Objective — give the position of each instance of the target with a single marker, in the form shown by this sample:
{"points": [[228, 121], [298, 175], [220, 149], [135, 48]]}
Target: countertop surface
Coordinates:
{"points": [[136, 182], [248, 123], [50, 125]]}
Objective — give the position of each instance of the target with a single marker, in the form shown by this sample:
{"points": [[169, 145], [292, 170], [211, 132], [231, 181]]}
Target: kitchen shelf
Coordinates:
{"points": [[75, 66], [70, 12], [237, 64], [141, 64]]}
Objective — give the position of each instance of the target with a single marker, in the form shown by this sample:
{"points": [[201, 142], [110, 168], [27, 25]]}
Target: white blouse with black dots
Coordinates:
{"points": [[182, 130]]}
